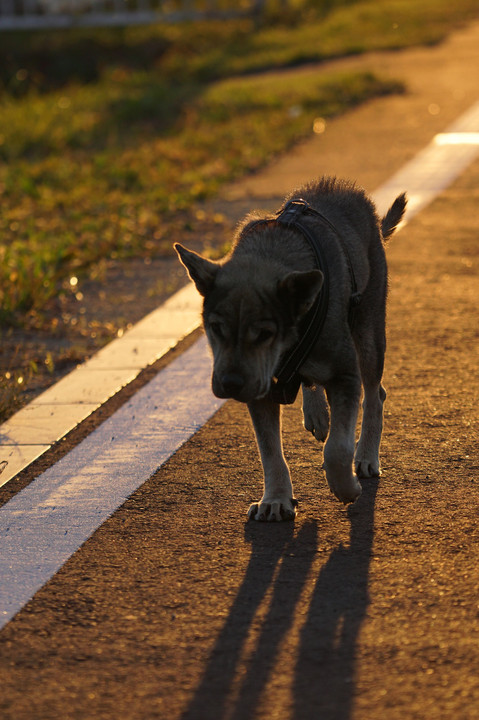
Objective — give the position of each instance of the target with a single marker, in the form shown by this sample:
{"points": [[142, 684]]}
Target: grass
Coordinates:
{"points": [[89, 175], [109, 138]]}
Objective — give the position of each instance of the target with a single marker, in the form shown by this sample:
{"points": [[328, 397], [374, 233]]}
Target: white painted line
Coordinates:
{"points": [[91, 384], [44, 524], [457, 138]]}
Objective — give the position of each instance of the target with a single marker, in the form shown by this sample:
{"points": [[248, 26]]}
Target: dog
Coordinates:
{"points": [[301, 300]]}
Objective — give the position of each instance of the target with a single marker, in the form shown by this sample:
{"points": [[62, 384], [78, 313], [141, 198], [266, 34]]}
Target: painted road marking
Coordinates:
{"points": [[457, 138], [45, 523]]}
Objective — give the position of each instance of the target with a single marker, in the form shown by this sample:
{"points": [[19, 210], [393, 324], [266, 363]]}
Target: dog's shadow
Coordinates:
{"points": [[322, 671]]}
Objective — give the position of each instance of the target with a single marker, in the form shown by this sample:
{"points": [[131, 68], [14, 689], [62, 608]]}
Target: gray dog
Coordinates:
{"points": [[301, 300]]}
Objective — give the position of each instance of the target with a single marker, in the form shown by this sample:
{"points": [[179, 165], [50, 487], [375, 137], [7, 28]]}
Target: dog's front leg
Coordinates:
{"points": [[277, 502], [343, 396]]}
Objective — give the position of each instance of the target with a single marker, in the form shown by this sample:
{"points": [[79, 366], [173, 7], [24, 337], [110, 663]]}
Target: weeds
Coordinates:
{"points": [[13, 382]]}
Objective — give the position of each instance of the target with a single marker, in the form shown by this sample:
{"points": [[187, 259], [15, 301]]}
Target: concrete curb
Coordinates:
{"points": [[35, 428]]}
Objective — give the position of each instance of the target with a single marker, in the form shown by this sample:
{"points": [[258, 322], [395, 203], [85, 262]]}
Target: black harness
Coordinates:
{"points": [[287, 380]]}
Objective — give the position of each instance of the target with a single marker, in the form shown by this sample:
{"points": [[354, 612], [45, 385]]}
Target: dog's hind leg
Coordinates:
{"points": [[366, 460], [371, 361], [315, 412], [277, 502], [343, 396]]}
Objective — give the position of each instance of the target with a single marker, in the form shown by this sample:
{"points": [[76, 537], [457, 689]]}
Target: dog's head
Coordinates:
{"points": [[251, 314]]}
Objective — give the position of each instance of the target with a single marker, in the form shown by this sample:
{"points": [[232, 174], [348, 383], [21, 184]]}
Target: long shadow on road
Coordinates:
{"points": [[324, 679], [322, 669]]}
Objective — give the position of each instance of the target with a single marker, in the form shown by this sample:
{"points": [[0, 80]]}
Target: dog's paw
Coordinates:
{"points": [[315, 413], [274, 510], [367, 468], [347, 491], [317, 425]]}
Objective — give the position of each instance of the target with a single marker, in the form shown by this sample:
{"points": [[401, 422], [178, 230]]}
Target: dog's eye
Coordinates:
{"points": [[216, 329], [264, 335]]}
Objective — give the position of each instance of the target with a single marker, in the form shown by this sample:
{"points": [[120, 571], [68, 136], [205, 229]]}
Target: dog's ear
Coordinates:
{"points": [[300, 290], [200, 270]]}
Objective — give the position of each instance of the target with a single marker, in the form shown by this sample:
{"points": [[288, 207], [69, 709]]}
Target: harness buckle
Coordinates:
{"points": [[289, 214]]}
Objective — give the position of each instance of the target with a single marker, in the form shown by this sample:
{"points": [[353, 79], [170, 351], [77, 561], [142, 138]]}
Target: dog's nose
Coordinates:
{"points": [[232, 383]]}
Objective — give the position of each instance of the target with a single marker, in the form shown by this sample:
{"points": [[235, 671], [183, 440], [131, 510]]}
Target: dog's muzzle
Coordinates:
{"points": [[228, 385]]}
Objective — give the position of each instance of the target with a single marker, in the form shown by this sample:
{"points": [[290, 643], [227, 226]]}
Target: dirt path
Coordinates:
{"points": [[176, 608]]}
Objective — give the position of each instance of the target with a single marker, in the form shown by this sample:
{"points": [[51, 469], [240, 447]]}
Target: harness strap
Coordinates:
{"points": [[355, 297], [287, 380]]}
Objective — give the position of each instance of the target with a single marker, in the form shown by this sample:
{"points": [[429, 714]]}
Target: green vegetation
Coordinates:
{"points": [[109, 138]]}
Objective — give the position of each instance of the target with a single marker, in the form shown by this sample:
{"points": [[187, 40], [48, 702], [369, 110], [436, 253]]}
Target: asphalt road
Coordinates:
{"points": [[177, 608]]}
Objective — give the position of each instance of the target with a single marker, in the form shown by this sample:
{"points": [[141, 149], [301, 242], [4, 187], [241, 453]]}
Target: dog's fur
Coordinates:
{"points": [[253, 301]]}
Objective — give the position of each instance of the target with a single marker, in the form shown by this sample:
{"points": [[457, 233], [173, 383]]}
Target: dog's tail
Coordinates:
{"points": [[393, 216]]}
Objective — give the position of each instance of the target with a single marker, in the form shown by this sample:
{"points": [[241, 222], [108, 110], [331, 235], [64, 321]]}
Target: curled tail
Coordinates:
{"points": [[393, 216]]}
